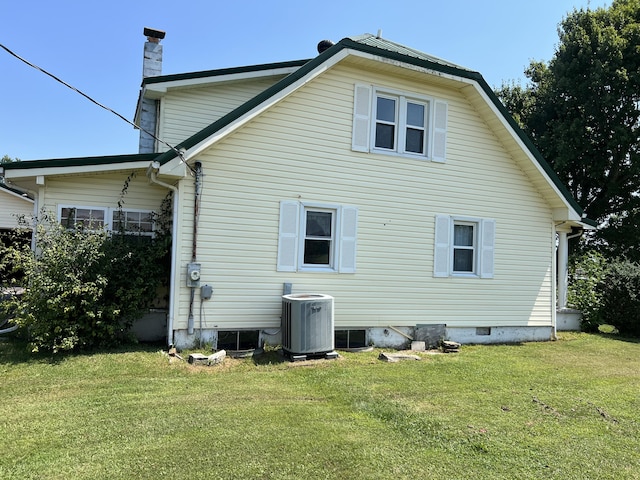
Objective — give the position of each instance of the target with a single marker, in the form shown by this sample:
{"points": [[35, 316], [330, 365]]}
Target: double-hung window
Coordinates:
{"points": [[464, 247], [399, 123], [317, 237]]}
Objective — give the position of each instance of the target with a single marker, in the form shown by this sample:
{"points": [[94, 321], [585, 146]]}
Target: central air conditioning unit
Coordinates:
{"points": [[307, 324]]}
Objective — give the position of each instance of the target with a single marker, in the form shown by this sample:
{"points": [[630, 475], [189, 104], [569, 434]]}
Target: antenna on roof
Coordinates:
{"points": [[379, 33]]}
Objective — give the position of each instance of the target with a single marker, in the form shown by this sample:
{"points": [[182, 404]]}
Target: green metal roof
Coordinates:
{"points": [[80, 161], [222, 72]]}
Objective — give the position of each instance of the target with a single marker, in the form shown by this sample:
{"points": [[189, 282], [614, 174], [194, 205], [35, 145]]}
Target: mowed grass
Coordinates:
{"points": [[568, 409]]}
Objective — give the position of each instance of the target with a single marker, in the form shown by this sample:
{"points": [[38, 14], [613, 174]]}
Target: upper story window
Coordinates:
{"points": [[399, 123]]}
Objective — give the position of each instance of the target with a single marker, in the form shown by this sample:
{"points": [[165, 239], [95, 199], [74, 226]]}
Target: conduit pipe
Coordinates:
{"points": [[152, 173]]}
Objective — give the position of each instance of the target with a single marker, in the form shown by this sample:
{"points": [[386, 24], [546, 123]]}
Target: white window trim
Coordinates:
{"points": [[108, 215], [477, 225], [291, 237], [335, 235], [364, 123], [483, 251], [112, 212], [402, 98]]}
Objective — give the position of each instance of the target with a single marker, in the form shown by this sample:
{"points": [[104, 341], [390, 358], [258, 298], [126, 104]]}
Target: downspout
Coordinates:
{"points": [[152, 173]]}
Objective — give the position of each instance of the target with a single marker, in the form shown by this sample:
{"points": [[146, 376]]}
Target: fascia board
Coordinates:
{"points": [[258, 109], [160, 88], [572, 212], [46, 171], [17, 195]]}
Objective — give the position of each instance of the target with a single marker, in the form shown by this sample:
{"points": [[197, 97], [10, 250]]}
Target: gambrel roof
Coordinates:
{"points": [[368, 50]]}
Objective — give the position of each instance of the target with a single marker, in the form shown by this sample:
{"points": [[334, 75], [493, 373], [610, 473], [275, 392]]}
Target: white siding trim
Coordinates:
{"points": [[288, 236], [361, 117], [348, 239], [439, 136], [442, 243]]}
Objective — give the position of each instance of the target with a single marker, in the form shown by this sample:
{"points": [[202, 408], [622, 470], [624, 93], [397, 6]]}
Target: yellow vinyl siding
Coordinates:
{"points": [[12, 206], [102, 190], [300, 149], [185, 112]]}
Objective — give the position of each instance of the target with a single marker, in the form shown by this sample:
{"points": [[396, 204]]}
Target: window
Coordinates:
{"points": [[238, 340], [399, 123], [463, 247], [130, 221], [92, 218], [317, 237], [350, 339], [133, 221]]}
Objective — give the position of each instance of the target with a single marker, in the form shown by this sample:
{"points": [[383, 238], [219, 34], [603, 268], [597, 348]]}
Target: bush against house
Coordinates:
{"points": [[85, 286]]}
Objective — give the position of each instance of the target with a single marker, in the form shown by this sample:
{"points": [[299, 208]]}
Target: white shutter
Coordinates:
{"points": [[442, 246], [439, 152], [348, 234], [288, 236], [487, 248], [361, 117]]}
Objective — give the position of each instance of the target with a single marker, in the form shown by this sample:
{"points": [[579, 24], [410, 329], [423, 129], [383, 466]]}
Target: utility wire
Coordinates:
{"points": [[13, 54]]}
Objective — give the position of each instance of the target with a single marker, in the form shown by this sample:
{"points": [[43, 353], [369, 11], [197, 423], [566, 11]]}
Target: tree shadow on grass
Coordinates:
{"points": [[14, 350]]}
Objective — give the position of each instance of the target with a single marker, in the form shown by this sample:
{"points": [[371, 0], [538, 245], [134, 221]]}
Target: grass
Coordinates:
{"points": [[567, 409]]}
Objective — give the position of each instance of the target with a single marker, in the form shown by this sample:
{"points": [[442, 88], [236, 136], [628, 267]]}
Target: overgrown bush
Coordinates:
{"points": [[620, 290], [85, 287], [586, 272]]}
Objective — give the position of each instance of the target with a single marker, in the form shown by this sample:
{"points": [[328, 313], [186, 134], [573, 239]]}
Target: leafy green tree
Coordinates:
{"points": [[582, 110]]}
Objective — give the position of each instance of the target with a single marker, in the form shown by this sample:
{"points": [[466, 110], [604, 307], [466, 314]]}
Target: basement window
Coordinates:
{"points": [[238, 340], [350, 338], [483, 331]]}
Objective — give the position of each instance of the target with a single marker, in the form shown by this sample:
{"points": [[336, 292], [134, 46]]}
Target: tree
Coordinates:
{"points": [[7, 159], [582, 110]]}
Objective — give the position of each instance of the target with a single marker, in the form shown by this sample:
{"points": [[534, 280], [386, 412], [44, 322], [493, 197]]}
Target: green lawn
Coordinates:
{"points": [[568, 409]]}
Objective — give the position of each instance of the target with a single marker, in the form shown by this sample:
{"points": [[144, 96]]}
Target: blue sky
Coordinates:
{"points": [[97, 47]]}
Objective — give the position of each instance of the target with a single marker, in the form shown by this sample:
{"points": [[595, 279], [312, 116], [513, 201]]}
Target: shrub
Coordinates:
{"points": [[85, 287], [586, 272], [620, 290]]}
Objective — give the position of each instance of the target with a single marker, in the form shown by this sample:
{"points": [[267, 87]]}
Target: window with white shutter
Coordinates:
{"points": [[463, 247], [399, 123], [317, 237]]}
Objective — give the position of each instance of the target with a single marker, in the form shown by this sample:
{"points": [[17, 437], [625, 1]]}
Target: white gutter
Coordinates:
{"points": [[152, 172]]}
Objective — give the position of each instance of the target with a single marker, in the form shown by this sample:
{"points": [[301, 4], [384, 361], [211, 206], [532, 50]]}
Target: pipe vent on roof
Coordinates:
{"points": [[324, 45]]}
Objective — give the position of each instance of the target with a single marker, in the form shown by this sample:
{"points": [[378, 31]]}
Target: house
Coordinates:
{"points": [[14, 203], [393, 181]]}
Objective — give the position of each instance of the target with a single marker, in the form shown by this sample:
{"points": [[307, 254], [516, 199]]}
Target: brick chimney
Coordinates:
{"points": [[151, 67]]}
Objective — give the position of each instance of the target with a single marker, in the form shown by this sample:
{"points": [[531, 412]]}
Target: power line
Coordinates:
{"points": [[13, 54]]}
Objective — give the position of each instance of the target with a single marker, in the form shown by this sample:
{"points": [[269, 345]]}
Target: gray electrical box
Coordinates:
{"points": [[193, 275], [206, 292]]}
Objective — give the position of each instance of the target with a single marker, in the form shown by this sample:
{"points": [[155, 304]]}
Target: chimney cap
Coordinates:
{"points": [[153, 33]]}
